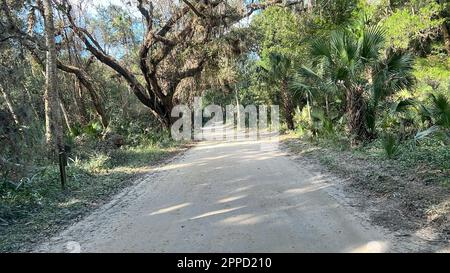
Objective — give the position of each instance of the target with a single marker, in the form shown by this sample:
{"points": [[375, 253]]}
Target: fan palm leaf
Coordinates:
{"points": [[370, 43], [440, 110]]}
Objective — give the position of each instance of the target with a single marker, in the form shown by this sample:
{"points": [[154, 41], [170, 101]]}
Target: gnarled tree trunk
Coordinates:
{"points": [[162, 43]]}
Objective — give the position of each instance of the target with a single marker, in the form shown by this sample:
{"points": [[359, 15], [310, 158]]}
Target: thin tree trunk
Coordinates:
{"points": [[446, 35], [288, 106], [86, 81], [65, 115], [10, 105], [79, 102], [30, 99], [79, 118], [98, 105], [308, 105], [53, 122], [238, 108], [77, 89]]}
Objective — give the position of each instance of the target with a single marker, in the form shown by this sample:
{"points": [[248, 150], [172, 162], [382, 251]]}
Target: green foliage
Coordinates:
{"points": [[390, 145], [412, 22], [352, 58], [347, 53], [392, 50], [393, 74], [115, 25], [278, 29], [35, 206], [433, 72], [332, 14], [440, 110], [323, 124], [404, 105], [275, 68], [93, 129], [280, 49]]}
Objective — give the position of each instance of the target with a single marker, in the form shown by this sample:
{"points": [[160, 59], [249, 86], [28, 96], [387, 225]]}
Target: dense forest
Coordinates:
{"points": [[98, 81]]}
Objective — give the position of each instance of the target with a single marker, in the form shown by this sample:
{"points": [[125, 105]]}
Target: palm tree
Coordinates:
{"points": [[277, 70], [352, 61], [390, 75], [312, 84]]}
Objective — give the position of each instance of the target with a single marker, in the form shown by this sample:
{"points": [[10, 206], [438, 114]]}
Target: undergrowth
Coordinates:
{"points": [[34, 206]]}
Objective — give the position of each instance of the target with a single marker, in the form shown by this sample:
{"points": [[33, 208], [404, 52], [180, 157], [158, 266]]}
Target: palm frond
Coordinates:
{"points": [[392, 74], [423, 134], [404, 105], [370, 43], [299, 86], [307, 72], [441, 110], [424, 113], [320, 49], [399, 62]]}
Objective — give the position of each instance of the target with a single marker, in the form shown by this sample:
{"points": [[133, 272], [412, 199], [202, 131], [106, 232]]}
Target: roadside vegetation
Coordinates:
{"points": [[34, 207], [377, 112]]}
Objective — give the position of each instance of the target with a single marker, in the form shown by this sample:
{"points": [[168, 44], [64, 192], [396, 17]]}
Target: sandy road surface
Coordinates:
{"points": [[227, 197]]}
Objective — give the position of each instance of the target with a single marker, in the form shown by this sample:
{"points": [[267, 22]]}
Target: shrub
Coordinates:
{"points": [[390, 145]]}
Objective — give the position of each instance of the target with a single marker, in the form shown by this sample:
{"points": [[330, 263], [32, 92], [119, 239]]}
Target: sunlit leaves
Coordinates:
{"points": [[409, 23]]}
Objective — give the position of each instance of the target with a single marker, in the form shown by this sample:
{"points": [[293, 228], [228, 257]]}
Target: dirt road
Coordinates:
{"points": [[227, 197]]}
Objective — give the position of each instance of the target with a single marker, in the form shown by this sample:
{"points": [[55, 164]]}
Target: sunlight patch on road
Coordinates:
{"points": [[170, 209], [216, 212], [372, 247], [243, 219], [231, 199], [307, 189], [241, 189]]}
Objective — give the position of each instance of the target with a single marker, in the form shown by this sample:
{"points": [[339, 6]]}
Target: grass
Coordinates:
{"points": [[390, 145], [35, 207], [428, 155], [429, 158], [415, 182]]}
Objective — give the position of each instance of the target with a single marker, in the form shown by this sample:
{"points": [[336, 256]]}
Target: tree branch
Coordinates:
{"points": [[252, 7], [192, 7], [135, 85], [147, 14]]}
